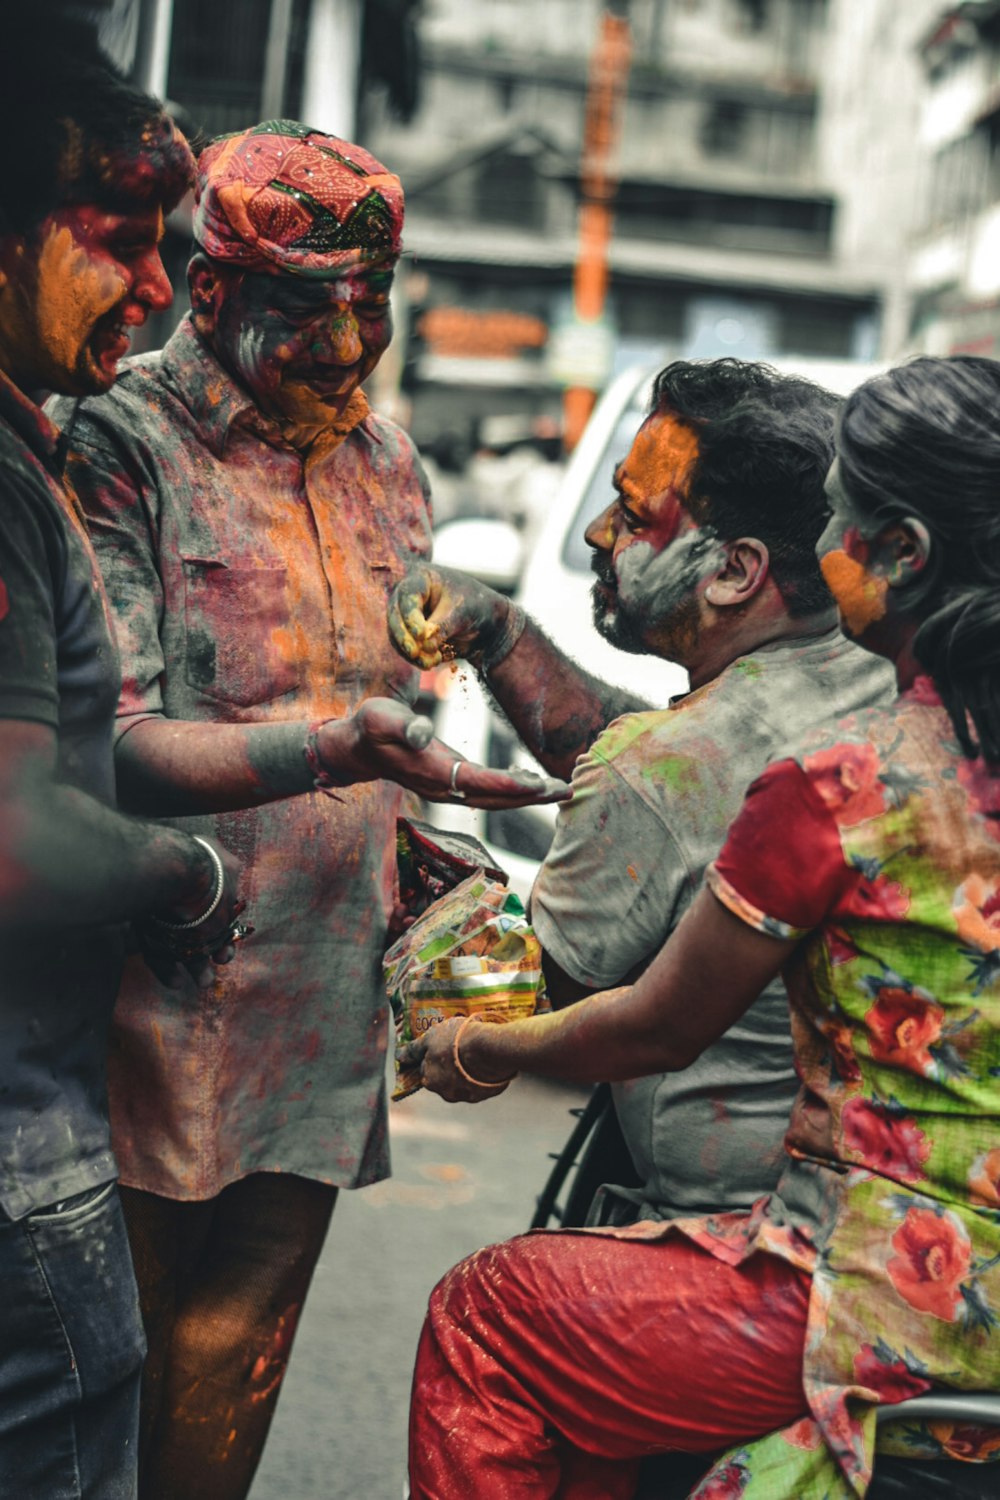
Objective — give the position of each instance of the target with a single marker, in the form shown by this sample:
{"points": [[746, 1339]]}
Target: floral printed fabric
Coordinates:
{"points": [[886, 846]]}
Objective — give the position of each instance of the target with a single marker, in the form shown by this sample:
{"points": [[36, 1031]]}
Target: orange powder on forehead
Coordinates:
{"points": [[661, 458], [73, 293], [860, 596]]}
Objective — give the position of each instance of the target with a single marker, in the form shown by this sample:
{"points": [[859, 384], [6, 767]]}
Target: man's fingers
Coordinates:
{"points": [[407, 621], [479, 786], [419, 732], [413, 1054]]}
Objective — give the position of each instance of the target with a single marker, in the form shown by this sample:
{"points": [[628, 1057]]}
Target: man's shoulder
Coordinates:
{"points": [[651, 753], [139, 384], [726, 731], [388, 436]]}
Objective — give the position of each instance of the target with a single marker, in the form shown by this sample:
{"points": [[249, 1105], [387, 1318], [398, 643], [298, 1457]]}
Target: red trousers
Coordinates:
{"points": [[548, 1365]]}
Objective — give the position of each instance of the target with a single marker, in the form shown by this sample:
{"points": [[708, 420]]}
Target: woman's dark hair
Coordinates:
{"points": [[72, 126], [765, 444], [923, 440]]}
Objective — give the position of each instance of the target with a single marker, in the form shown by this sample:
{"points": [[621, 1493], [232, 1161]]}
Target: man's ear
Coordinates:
{"points": [[203, 284], [901, 551], [743, 573]]}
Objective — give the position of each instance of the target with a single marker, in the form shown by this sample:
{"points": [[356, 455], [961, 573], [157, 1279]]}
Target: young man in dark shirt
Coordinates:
{"points": [[84, 190]]}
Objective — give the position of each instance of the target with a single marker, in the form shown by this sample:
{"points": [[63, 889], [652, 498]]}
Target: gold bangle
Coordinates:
{"points": [[476, 1083]]}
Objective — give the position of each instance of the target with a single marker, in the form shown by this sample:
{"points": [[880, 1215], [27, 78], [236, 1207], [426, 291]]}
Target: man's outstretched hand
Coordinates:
{"points": [[384, 740], [438, 614]]}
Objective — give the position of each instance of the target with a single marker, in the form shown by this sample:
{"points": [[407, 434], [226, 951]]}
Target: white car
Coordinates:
{"points": [[555, 592]]}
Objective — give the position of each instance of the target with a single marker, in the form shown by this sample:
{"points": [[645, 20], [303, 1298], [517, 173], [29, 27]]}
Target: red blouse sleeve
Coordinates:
{"points": [[782, 867]]}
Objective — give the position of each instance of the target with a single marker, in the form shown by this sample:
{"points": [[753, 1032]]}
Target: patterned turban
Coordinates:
{"points": [[290, 200]]}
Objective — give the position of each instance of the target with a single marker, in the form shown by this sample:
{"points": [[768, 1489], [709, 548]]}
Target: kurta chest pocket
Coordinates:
{"points": [[238, 645]]}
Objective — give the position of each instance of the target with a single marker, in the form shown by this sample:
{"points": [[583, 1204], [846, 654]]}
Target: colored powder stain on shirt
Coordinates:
{"points": [[678, 772], [861, 597], [4, 600]]}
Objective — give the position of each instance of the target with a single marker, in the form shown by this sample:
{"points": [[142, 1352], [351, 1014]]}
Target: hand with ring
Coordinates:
{"points": [[385, 740]]}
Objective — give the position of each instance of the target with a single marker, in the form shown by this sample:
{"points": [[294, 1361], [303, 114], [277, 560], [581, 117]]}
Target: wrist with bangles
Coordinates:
{"points": [[183, 939], [476, 1083], [324, 780], [216, 897]]}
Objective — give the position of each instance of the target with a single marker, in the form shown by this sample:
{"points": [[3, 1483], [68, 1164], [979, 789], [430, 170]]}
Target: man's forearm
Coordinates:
{"points": [[557, 708], [69, 861], [171, 768]]}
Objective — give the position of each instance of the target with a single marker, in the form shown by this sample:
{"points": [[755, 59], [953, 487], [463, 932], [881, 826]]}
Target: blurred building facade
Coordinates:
{"points": [[727, 237], [816, 177], [914, 147]]}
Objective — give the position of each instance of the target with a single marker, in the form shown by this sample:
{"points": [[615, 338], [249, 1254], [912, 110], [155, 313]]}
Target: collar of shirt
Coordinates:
{"points": [[214, 399], [31, 424]]}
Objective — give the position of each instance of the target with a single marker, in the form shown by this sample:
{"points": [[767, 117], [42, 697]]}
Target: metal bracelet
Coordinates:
{"points": [[213, 906]]}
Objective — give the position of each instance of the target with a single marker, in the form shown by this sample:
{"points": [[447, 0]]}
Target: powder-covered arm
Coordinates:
{"points": [[557, 708], [65, 858], [172, 767]]}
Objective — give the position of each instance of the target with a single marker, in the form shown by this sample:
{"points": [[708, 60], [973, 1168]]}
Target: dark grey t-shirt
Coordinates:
{"points": [[58, 666], [651, 805]]}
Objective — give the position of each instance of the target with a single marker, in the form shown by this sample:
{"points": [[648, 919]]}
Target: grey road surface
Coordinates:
{"points": [[464, 1176]]}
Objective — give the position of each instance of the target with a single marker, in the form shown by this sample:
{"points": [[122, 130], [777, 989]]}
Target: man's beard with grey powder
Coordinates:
{"points": [[653, 592]]}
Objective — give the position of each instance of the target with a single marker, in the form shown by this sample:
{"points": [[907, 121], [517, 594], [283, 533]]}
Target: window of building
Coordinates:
{"points": [[751, 15], [508, 191], [725, 128]]}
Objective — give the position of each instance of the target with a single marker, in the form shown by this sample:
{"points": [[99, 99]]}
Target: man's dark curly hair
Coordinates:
{"points": [[72, 126], [765, 443]]}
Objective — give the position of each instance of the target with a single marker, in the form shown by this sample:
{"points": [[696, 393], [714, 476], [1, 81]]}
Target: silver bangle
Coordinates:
{"points": [[213, 906]]}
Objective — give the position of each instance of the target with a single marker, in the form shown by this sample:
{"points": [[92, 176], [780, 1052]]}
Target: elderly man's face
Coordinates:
{"points": [[301, 348], [72, 290]]}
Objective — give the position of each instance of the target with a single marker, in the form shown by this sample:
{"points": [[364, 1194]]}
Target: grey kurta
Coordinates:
{"points": [[249, 586]]}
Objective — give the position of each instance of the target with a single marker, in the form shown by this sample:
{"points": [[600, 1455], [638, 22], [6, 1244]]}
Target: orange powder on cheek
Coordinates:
{"points": [[860, 596], [73, 293]]}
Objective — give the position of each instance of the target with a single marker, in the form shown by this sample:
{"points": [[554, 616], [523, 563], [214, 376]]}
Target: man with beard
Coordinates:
{"points": [[90, 167], [250, 515], [706, 558]]}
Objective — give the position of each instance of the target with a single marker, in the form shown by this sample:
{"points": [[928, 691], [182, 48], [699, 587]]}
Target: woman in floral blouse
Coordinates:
{"points": [[868, 869]]}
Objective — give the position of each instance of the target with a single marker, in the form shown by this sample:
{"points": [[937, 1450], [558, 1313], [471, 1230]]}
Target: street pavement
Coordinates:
{"points": [[463, 1176]]}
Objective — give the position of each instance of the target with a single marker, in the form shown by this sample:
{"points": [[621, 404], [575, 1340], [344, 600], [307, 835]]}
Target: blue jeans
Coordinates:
{"points": [[71, 1352]]}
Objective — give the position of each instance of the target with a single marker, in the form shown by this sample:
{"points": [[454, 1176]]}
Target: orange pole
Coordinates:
{"points": [[606, 85]]}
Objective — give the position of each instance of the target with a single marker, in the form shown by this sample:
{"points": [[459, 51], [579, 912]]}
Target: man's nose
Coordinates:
{"points": [[600, 534], [151, 288], [336, 339]]}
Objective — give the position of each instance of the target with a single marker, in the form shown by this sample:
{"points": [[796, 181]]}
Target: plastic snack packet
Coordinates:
{"points": [[472, 952], [431, 861]]}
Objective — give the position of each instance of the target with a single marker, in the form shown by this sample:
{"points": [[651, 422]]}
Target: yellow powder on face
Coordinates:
{"points": [[660, 459], [73, 292], [860, 595]]}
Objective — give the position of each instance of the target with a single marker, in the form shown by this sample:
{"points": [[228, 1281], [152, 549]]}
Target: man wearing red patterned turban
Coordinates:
{"points": [[250, 516]]}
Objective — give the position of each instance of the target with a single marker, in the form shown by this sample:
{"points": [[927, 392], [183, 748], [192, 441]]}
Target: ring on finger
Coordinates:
{"points": [[456, 791]]}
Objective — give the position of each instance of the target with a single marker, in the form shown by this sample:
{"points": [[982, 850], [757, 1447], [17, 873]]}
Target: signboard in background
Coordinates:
{"points": [[580, 351], [472, 333]]}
